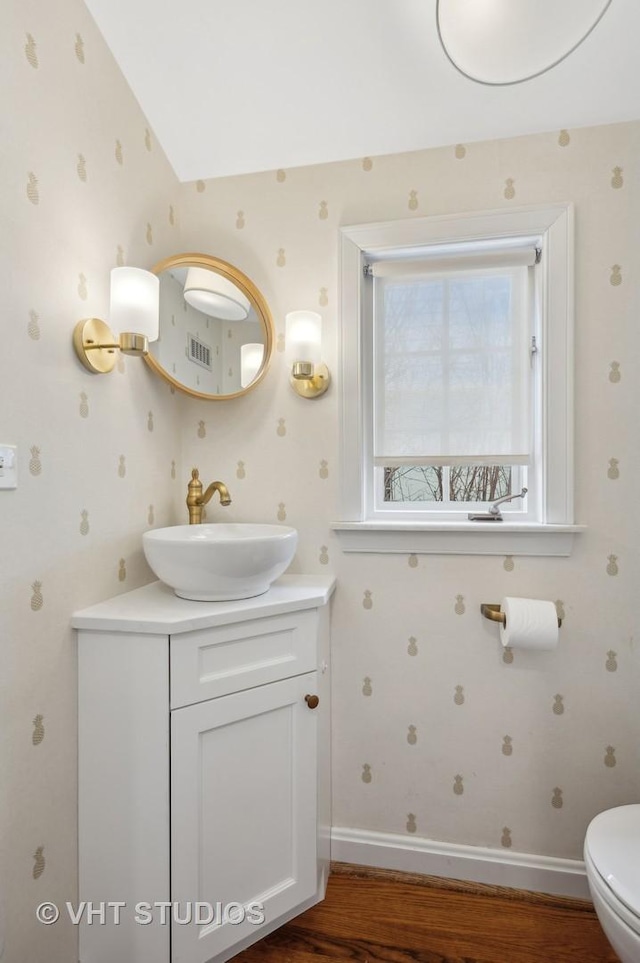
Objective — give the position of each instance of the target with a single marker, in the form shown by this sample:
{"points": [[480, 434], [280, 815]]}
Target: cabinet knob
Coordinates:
{"points": [[312, 701]]}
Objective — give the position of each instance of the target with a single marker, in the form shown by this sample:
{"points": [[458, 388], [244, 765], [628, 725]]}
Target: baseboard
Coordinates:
{"points": [[496, 867]]}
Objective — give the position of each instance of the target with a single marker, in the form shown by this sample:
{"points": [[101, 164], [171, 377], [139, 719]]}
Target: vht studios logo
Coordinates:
{"points": [[112, 913]]}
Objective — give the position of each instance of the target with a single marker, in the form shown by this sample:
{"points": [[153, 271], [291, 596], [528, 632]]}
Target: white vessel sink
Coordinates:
{"points": [[216, 563]]}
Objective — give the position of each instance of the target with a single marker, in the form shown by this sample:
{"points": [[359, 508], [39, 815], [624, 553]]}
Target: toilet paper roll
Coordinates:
{"points": [[530, 624]]}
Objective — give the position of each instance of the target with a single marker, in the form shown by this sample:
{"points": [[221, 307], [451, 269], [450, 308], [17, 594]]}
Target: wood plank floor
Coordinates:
{"points": [[378, 916]]}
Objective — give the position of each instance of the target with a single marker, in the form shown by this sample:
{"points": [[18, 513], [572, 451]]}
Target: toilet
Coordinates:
{"points": [[612, 860]]}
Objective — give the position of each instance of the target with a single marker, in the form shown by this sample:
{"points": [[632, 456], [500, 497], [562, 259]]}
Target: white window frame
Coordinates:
{"points": [[360, 527]]}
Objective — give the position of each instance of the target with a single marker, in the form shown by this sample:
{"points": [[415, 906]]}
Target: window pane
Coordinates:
{"points": [[413, 483], [414, 402], [479, 483], [412, 317], [480, 312], [452, 367], [479, 401], [459, 483]]}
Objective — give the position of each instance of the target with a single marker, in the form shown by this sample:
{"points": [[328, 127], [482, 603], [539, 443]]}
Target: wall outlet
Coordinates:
{"points": [[8, 466]]}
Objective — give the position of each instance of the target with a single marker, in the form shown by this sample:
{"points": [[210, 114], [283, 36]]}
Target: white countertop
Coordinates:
{"points": [[155, 609]]}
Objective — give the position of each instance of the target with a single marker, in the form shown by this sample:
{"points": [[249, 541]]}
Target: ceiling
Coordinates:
{"points": [[238, 86]]}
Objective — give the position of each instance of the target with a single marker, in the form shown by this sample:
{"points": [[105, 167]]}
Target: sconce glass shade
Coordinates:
{"points": [[303, 337], [251, 356], [135, 302], [215, 295], [500, 42]]}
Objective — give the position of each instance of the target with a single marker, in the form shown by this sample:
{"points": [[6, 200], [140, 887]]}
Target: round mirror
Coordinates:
{"points": [[216, 330]]}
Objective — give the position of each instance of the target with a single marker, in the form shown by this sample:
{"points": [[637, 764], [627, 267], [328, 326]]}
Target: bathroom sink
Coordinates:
{"points": [[215, 563]]}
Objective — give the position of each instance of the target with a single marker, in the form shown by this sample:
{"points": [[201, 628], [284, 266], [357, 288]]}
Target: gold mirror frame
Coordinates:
{"points": [[258, 303]]}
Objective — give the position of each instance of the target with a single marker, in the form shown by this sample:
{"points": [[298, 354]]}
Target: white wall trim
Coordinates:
{"points": [[496, 867], [456, 538]]}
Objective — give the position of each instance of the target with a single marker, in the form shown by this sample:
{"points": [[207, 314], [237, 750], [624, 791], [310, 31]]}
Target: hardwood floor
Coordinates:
{"points": [[378, 916]]}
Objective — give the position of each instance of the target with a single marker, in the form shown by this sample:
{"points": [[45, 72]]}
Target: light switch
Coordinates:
{"points": [[8, 466]]}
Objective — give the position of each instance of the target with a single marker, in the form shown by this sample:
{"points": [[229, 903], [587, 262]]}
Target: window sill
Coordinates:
{"points": [[457, 538]]}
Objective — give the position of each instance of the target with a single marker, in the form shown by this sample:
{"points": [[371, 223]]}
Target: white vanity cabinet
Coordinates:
{"points": [[204, 783]]}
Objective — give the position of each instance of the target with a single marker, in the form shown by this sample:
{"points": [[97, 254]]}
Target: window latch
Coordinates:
{"points": [[533, 349], [494, 514]]}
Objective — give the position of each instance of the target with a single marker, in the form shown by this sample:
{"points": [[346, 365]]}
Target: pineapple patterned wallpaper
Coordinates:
{"points": [[438, 732], [84, 188]]}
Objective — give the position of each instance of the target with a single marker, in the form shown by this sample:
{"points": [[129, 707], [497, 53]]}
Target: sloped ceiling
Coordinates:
{"points": [[239, 86]]}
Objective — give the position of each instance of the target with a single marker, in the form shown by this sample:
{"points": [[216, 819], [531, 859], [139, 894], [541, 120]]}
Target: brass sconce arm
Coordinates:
{"points": [[196, 498], [93, 335], [309, 381]]}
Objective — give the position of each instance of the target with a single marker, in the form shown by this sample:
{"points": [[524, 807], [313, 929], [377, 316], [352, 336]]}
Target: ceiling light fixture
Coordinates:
{"points": [[501, 42], [215, 296]]}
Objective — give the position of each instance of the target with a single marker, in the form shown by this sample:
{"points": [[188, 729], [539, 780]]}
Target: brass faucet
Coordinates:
{"points": [[196, 499]]}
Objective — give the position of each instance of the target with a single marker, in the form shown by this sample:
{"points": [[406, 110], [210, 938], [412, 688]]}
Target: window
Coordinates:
{"points": [[456, 383]]}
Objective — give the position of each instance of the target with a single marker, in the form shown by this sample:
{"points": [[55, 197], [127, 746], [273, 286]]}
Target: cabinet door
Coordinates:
{"points": [[243, 813]]}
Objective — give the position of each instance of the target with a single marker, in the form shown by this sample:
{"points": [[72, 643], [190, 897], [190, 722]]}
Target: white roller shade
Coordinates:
{"points": [[464, 261], [452, 378]]}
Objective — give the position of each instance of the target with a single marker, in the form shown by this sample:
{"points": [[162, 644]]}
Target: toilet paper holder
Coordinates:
{"points": [[495, 614]]}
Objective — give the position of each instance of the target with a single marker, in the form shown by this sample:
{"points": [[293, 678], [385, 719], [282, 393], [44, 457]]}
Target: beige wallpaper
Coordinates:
{"points": [[84, 188], [437, 732]]}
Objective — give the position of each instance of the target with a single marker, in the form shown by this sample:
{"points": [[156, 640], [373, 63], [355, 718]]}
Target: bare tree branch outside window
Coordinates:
{"points": [[467, 483]]}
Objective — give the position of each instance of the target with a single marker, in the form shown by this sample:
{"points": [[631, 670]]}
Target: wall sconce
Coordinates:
{"points": [[303, 338], [134, 312], [251, 357]]}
